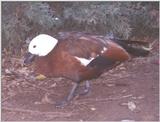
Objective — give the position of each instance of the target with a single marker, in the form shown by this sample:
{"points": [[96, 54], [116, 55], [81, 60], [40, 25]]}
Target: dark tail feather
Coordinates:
{"points": [[133, 42], [135, 48]]}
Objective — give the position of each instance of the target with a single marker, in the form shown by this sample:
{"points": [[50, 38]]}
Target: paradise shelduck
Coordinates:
{"points": [[79, 56]]}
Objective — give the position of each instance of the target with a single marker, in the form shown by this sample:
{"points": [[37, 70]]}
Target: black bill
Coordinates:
{"points": [[29, 57]]}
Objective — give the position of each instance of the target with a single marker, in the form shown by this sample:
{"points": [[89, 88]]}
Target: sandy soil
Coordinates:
{"points": [[127, 92]]}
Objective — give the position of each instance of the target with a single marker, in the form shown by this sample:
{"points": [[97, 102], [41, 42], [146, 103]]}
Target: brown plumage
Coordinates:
{"points": [[73, 49]]}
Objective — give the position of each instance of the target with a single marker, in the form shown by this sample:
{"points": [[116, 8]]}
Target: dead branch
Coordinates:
{"points": [[54, 114], [102, 99]]}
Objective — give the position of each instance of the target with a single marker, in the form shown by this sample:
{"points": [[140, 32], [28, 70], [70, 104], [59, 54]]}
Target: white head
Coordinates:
{"points": [[42, 44]]}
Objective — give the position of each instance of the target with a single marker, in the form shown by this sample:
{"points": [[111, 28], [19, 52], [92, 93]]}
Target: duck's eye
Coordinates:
{"points": [[34, 46]]}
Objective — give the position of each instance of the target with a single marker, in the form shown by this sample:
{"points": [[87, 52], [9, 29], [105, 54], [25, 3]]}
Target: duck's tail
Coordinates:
{"points": [[135, 48]]}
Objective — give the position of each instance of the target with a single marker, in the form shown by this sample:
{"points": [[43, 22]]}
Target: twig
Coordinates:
{"points": [[42, 88], [54, 114], [101, 100], [152, 44], [7, 98], [33, 85]]}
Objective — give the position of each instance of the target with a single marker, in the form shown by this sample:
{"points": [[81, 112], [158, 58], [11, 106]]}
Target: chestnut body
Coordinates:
{"points": [[61, 61]]}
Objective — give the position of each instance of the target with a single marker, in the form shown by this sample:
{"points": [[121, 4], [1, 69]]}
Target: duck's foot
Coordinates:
{"points": [[74, 92], [69, 97]]}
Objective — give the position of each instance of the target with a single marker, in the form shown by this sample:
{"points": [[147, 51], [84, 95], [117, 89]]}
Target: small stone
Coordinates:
{"points": [[123, 91], [110, 84], [131, 106], [93, 109], [53, 85], [127, 120], [17, 84], [7, 71], [37, 103]]}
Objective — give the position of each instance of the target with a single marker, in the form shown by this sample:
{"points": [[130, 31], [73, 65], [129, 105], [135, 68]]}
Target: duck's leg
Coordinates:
{"points": [[73, 93], [86, 88], [69, 97]]}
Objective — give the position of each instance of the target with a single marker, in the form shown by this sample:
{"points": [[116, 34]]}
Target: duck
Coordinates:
{"points": [[79, 57]]}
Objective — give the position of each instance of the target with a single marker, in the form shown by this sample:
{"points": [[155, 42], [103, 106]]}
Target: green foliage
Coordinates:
{"points": [[105, 15], [121, 18], [21, 20], [13, 27], [41, 14]]}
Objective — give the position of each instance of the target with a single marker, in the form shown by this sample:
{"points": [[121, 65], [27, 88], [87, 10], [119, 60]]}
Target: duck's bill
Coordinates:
{"points": [[29, 58]]}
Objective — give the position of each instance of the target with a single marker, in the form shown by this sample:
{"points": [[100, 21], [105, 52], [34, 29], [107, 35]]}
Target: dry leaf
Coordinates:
{"points": [[40, 77]]}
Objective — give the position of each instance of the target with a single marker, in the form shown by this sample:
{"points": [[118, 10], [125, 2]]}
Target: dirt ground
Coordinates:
{"points": [[127, 92]]}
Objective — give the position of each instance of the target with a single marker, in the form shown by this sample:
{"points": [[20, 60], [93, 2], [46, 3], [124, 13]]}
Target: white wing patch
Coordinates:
{"points": [[104, 49], [84, 61]]}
